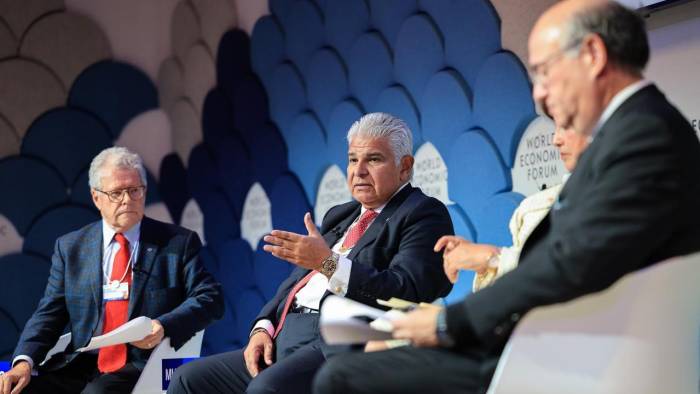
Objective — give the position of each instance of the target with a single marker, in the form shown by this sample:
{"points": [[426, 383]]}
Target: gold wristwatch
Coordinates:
{"points": [[329, 265]]}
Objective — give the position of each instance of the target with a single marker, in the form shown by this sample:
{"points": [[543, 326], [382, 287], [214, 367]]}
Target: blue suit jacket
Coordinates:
{"points": [[169, 284], [394, 258]]}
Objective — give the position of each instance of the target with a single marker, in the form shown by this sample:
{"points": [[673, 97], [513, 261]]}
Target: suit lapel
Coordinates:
{"points": [[143, 265], [93, 255], [337, 232], [381, 220]]}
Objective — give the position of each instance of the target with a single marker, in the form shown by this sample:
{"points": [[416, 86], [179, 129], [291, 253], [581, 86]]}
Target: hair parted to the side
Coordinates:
{"points": [[622, 30], [383, 125], [117, 157]]}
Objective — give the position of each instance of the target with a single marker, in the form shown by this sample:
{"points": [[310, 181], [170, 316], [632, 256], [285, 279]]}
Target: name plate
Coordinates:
{"points": [[169, 366]]}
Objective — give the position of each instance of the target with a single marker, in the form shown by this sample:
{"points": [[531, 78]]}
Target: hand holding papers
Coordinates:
{"points": [[344, 321], [130, 331]]}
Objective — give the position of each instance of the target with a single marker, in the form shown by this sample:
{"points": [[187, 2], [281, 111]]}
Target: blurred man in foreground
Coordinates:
{"points": [[630, 202]]}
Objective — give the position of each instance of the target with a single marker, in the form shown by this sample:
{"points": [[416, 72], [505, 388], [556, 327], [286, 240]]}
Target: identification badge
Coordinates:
{"points": [[115, 291]]}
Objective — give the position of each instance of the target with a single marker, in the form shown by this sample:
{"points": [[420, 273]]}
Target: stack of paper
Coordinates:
{"points": [[344, 321], [133, 330]]}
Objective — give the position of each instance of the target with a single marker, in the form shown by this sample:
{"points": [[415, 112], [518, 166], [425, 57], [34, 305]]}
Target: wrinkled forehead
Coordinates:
{"points": [[361, 145], [543, 43], [111, 174]]}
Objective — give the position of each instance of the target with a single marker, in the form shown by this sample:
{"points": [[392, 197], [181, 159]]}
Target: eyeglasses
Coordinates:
{"points": [[540, 72], [135, 193]]}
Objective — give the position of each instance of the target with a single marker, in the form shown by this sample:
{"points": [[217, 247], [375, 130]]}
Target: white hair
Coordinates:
{"points": [[383, 125], [118, 157]]}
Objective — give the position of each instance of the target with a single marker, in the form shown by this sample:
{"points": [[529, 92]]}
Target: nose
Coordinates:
{"points": [[126, 198], [558, 140], [539, 93], [361, 168]]}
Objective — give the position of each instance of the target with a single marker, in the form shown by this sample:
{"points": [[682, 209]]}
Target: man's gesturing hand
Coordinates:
{"points": [[306, 251]]}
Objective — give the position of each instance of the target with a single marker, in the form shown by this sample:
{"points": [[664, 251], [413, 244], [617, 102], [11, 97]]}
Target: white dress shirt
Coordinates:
{"points": [[310, 295]]}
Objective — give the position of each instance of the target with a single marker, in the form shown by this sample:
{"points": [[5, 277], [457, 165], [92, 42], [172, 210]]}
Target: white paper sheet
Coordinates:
{"points": [[133, 330], [344, 321]]}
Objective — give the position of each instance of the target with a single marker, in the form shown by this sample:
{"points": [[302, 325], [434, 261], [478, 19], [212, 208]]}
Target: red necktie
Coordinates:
{"points": [[113, 358], [355, 233], [290, 299]]}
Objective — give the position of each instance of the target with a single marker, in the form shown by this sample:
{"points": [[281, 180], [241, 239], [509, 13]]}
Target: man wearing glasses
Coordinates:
{"points": [[630, 202], [107, 273]]}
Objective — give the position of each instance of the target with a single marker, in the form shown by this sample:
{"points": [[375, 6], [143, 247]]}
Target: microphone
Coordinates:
{"points": [[138, 270]]}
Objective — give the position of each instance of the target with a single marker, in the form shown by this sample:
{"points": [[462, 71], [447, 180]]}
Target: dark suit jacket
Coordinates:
{"points": [[632, 201], [394, 258], [169, 284]]}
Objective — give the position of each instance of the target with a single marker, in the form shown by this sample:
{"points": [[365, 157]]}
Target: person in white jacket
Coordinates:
{"points": [[490, 261]]}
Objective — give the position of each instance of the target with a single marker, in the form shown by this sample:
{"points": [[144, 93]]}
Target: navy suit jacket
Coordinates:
{"points": [[631, 201], [169, 284], [394, 258]]}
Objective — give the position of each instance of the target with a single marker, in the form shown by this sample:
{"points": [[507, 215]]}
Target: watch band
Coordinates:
{"points": [[329, 265], [443, 336]]}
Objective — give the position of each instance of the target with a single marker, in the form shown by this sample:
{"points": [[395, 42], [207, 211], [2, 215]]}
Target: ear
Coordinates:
{"points": [[95, 198], [406, 165], [595, 54]]}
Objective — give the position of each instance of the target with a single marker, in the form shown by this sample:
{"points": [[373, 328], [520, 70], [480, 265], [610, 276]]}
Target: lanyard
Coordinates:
{"points": [[108, 257]]}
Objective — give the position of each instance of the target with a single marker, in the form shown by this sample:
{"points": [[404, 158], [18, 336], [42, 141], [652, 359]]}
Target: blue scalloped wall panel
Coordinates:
{"points": [[278, 115], [131, 92]]}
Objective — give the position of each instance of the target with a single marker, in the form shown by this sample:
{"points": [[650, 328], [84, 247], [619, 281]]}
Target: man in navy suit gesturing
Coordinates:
{"points": [[631, 201], [103, 275], [379, 246]]}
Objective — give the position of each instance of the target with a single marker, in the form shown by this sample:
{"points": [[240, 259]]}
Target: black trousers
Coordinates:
{"points": [[298, 356], [401, 370], [82, 376]]}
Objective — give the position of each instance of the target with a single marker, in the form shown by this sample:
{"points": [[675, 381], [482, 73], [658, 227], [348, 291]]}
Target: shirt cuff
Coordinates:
{"points": [[22, 357], [338, 283], [266, 324]]}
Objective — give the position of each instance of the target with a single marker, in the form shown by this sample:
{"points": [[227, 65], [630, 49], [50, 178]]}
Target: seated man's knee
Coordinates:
{"points": [[262, 384], [329, 379], [182, 379]]}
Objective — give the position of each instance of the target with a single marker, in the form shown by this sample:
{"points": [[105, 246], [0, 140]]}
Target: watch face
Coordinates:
{"points": [[329, 266]]}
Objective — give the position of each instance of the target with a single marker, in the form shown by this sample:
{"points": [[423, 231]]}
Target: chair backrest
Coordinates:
{"points": [[641, 335], [150, 381]]}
